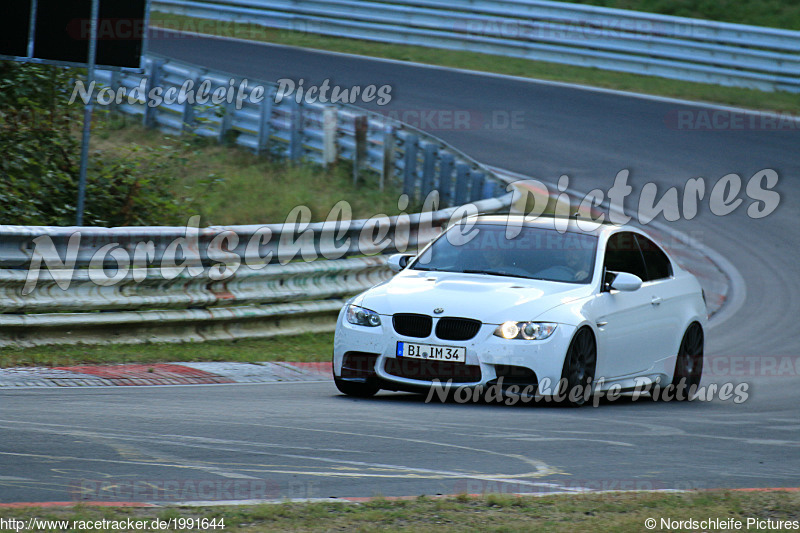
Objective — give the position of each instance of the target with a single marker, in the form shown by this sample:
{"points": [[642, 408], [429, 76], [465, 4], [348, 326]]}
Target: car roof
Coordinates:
{"points": [[549, 222], [602, 230]]}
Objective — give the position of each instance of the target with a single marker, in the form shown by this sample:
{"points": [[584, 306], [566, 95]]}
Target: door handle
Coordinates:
{"points": [[656, 300]]}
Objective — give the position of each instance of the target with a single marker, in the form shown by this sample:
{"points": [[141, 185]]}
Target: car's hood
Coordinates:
{"points": [[492, 300]]}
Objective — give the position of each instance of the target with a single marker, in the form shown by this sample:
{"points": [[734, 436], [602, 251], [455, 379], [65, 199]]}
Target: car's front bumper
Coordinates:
{"points": [[492, 355]]}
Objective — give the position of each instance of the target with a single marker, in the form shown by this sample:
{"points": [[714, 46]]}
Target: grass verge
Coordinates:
{"points": [[617, 512], [748, 98], [231, 185], [306, 347], [771, 13]]}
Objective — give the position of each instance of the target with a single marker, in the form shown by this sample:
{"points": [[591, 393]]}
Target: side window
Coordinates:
{"points": [[623, 255], [656, 262]]}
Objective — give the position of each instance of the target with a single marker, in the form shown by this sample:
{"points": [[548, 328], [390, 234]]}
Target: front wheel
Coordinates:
{"points": [[577, 375], [355, 388]]}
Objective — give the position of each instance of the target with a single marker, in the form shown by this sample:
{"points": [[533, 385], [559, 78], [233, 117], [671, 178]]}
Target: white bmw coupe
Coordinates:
{"points": [[529, 304]]}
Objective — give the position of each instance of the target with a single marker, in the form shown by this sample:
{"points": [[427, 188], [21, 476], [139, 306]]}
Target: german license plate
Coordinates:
{"points": [[454, 354]]}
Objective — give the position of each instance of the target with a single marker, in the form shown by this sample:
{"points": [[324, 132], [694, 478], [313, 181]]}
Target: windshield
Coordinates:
{"points": [[534, 253]]}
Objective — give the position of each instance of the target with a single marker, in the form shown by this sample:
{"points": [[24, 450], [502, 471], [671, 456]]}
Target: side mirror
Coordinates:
{"points": [[624, 281], [398, 262]]}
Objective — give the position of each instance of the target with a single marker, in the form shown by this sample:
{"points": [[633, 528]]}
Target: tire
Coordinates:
{"points": [[354, 388], [580, 363], [688, 367]]}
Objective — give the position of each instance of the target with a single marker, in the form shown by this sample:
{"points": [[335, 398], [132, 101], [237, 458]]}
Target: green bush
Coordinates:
{"points": [[39, 170]]}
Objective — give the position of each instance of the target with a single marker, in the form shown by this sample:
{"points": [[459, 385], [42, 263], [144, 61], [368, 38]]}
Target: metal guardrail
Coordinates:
{"points": [[589, 36], [277, 300], [150, 303]]}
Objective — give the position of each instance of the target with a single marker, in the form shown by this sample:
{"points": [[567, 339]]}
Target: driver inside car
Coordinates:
{"points": [[578, 262]]}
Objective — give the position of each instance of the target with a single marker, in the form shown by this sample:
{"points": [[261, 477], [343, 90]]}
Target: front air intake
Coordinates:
{"points": [[426, 370]]}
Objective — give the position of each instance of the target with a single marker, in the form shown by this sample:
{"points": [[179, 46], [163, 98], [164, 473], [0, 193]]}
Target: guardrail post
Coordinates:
{"points": [[265, 121], [149, 120], [389, 144], [428, 168], [188, 111], [476, 191], [116, 79], [225, 122], [445, 178], [329, 125], [462, 183], [295, 135], [410, 165], [361, 125], [489, 188]]}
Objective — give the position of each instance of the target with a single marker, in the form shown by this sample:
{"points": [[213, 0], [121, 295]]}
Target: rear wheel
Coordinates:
{"points": [[355, 388], [688, 367], [579, 366]]}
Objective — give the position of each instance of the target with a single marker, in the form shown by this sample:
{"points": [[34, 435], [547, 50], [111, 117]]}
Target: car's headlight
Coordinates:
{"points": [[362, 316], [528, 331]]}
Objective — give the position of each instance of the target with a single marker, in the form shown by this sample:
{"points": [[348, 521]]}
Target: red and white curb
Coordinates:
{"points": [[137, 374]]}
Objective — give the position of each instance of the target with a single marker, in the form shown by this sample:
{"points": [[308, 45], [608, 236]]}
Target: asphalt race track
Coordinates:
{"points": [[305, 440], [299, 440]]}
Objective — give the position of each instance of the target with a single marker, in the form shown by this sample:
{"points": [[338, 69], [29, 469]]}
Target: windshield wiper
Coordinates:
{"points": [[491, 273], [496, 273]]}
